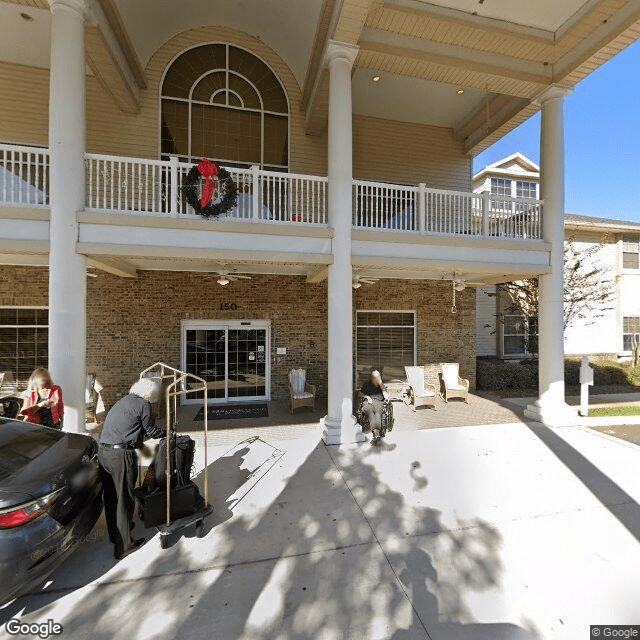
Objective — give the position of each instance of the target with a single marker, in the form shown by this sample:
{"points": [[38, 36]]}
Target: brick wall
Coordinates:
{"points": [[442, 336], [132, 323], [24, 286]]}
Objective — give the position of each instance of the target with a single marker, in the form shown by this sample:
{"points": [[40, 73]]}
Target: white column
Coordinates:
{"points": [[339, 423], [550, 408], [67, 269]]}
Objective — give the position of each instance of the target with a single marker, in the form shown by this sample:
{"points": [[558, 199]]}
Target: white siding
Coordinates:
{"points": [[601, 335], [486, 338]]}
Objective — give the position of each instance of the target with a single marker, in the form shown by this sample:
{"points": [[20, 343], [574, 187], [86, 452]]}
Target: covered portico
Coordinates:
{"points": [[439, 234]]}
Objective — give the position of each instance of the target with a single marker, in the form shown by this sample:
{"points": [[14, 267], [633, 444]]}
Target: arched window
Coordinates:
{"points": [[222, 102]]}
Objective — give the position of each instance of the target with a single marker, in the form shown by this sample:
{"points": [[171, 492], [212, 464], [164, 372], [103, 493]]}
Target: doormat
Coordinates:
{"points": [[233, 412]]}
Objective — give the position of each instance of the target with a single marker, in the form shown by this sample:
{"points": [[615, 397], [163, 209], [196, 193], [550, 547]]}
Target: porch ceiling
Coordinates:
{"points": [[501, 53], [129, 266], [473, 275]]}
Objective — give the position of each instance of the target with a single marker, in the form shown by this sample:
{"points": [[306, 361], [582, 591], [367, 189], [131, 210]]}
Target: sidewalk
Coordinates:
{"points": [[489, 532]]}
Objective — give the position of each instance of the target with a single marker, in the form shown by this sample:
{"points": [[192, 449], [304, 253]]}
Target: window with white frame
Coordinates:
{"points": [[24, 335], [501, 187], [519, 335], [630, 328], [631, 252], [526, 189], [223, 102], [385, 340]]}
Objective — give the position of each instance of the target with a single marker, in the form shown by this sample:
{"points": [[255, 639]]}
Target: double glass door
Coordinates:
{"points": [[232, 357]]}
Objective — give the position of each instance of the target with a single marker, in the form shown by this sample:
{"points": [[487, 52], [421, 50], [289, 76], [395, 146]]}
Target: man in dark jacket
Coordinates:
{"points": [[127, 425]]}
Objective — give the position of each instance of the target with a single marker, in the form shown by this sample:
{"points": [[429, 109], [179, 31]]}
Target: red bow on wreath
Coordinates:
{"points": [[208, 170]]}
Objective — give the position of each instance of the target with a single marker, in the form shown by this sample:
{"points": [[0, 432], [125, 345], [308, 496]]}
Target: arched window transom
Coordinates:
{"points": [[222, 102]]}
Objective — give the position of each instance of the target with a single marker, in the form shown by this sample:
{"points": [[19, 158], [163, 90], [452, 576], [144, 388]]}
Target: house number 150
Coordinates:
{"points": [[228, 306]]}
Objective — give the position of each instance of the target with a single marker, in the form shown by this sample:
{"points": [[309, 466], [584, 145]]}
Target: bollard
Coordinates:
{"points": [[586, 379]]}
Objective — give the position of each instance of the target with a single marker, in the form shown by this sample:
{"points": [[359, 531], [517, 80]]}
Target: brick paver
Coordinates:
{"points": [[282, 425]]}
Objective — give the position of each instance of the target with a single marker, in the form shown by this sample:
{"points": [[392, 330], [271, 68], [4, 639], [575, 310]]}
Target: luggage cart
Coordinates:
{"points": [[180, 384]]}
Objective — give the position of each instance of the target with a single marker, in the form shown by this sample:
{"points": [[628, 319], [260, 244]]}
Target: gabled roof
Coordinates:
{"points": [[515, 165], [516, 158], [574, 220]]}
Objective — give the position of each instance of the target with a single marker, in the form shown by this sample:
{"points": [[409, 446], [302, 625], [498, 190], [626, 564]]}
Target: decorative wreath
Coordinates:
{"points": [[218, 182]]}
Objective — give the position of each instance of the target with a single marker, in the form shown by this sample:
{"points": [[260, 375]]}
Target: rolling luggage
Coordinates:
{"points": [[185, 501], [182, 452], [185, 496]]}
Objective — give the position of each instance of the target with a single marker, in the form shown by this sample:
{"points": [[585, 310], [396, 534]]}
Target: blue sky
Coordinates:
{"points": [[602, 141]]}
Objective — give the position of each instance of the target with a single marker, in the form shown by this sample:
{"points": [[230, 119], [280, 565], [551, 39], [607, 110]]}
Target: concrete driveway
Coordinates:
{"points": [[491, 532]]}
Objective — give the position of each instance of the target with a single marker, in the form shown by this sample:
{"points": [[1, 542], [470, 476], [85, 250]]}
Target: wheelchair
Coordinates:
{"points": [[387, 418]]}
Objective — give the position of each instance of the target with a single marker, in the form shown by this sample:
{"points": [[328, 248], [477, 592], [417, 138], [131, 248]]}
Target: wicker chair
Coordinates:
{"points": [[454, 386], [421, 393], [301, 393]]}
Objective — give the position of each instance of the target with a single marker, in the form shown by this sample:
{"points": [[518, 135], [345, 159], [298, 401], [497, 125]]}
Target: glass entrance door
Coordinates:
{"points": [[232, 358]]}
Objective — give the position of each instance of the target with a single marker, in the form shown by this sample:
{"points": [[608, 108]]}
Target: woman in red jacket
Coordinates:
{"points": [[43, 401]]}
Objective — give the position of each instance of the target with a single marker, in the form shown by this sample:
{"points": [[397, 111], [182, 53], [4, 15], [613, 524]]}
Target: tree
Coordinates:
{"points": [[588, 288]]}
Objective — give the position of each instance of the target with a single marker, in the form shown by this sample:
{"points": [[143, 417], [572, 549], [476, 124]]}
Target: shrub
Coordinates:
{"points": [[493, 374], [501, 375]]}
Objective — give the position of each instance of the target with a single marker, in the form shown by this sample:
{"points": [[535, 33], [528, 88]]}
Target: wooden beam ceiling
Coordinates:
{"points": [[340, 20], [107, 70], [114, 266], [512, 63]]}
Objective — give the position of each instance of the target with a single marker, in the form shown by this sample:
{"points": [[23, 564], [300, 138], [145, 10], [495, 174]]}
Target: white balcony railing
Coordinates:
{"points": [[24, 176], [436, 211], [154, 187]]}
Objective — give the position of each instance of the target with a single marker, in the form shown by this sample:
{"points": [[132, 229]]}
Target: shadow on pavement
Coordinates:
{"points": [[611, 495], [324, 558]]}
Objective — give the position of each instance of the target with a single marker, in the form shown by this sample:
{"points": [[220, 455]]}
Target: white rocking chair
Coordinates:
{"points": [[422, 394], [454, 385]]}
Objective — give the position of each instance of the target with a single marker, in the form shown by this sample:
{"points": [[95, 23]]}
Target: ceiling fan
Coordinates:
{"points": [[359, 280], [225, 277]]}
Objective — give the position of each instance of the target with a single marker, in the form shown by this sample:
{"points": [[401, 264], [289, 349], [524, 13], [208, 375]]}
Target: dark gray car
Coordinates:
{"points": [[50, 499]]}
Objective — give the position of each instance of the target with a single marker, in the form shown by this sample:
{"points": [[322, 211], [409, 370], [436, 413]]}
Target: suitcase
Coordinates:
{"points": [[182, 452], [185, 501]]}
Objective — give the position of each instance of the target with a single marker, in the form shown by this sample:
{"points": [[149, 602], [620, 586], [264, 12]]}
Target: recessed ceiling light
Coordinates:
{"points": [[26, 17], [460, 92], [375, 78]]}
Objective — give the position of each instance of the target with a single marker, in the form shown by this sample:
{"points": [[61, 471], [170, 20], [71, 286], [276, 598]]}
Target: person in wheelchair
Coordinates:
{"points": [[375, 410]]}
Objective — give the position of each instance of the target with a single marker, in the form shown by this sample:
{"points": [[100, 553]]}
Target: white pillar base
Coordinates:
{"points": [[342, 430], [552, 415]]}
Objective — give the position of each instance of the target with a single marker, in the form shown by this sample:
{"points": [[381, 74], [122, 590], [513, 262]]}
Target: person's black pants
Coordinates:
{"points": [[373, 412], [119, 474]]}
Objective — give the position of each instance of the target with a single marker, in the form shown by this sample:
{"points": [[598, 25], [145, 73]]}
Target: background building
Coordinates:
{"points": [[501, 333]]}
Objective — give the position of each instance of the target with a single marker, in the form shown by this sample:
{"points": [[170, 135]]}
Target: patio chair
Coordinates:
{"points": [[10, 403], [302, 393], [421, 393], [454, 385]]}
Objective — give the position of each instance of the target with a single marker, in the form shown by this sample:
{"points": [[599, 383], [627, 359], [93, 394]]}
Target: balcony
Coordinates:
{"points": [[125, 186]]}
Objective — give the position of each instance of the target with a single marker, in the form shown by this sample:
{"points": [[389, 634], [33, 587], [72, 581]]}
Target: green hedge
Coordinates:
{"points": [[501, 375]]}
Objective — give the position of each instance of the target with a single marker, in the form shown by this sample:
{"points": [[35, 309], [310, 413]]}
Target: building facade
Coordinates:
{"points": [[612, 245], [348, 129]]}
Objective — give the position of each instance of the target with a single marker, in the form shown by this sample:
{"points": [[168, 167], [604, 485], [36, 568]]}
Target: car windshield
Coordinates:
{"points": [[20, 443]]}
